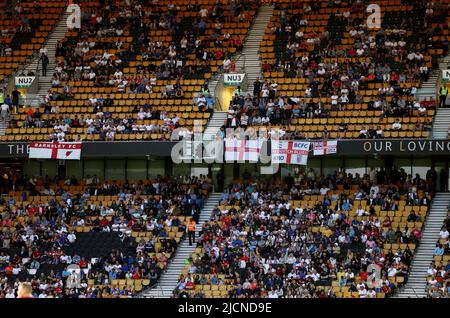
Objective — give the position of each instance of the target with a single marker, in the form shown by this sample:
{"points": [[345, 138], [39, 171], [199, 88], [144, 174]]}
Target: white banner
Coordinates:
{"points": [[55, 150], [242, 150], [233, 79], [325, 147], [24, 81], [290, 152]]}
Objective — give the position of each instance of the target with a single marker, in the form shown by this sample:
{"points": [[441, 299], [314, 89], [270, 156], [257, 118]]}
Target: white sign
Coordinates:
{"points": [[233, 79], [24, 81], [55, 150], [290, 152], [446, 75], [241, 150], [74, 19]]}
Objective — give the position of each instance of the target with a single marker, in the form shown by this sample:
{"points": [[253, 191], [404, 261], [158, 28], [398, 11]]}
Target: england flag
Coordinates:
{"points": [[325, 147], [242, 150], [55, 150], [290, 152]]}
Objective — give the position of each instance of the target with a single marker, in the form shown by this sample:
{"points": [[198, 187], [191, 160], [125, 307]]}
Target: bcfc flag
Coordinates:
{"points": [[290, 152]]}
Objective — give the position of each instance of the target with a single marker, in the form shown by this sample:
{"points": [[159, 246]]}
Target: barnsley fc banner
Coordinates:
{"points": [[325, 147], [290, 152], [55, 150], [240, 150]]}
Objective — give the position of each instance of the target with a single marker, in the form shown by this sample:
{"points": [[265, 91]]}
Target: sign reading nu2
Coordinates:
{"points": [[24, 81], [233, 79]]}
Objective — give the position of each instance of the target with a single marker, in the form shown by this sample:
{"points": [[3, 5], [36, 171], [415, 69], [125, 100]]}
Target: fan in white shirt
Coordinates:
{"points": [[396, 125]]}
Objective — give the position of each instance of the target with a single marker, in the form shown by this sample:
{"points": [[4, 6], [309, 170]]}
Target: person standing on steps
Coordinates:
{"points": [[257, 86], [15, 100], [191, 231], [443, 92], [220, 179], [44, 60]]}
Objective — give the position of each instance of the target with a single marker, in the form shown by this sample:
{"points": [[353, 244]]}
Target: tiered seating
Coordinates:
{"points": [[145, 227], [141, 62], [242, 232], [19, 39], [336, 45]]}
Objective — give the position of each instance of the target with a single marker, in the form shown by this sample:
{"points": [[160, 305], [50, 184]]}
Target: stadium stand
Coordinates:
{"points": [[324, 71], [137, 70], [311, 237], [120, 235], [139, 80], [25, 26]]}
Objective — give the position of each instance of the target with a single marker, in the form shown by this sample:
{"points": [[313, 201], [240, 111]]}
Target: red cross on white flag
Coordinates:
{"points": [[290, 152]]}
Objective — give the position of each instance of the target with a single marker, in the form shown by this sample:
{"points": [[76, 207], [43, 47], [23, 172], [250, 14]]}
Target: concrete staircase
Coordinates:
{"points": [[428, 88], [57, 34], [217, 120], [251, 50], [441, 123], [169, 279], [3, 126], [416, 284]]}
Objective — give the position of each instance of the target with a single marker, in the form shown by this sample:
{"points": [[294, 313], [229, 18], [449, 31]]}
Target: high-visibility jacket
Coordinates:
{"points": [[191, 227], [443, 90], [2, 99]]}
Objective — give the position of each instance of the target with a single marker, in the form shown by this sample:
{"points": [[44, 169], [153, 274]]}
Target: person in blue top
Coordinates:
{"points": [[439, 250]]}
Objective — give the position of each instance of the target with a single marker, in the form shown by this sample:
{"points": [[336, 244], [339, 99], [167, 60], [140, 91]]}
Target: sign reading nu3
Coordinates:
{"points": [[233, 79], [24, 81]]}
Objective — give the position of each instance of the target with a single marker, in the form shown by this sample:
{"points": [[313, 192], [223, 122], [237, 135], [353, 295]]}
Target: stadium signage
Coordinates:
{"points": [[233, 79], [446, 75], [123, 149], [24, 81], [408, 146]]}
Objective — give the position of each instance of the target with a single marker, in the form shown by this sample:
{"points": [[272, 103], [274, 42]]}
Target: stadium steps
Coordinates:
{"points": [[441, 123], [3, 126], [417, 278], [251, 50], [249, 61], [428, 89], [217, 120], [169, 279], [35, 66]]}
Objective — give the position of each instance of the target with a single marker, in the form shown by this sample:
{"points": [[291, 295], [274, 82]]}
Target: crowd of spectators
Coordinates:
{"points": [[391, 56], [275, 112], [438, 281], [89, 57], [39, 237], [263, 245]]}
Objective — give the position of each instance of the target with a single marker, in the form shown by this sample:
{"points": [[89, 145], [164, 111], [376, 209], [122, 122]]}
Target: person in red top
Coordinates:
{"points": [[233, 66], [136, 274], [189, 285], [83, 263], [104, 222], [363, 276]]}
